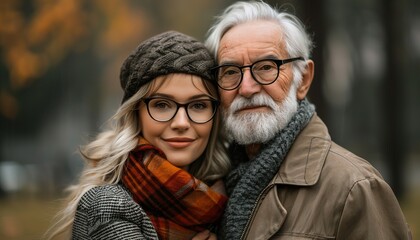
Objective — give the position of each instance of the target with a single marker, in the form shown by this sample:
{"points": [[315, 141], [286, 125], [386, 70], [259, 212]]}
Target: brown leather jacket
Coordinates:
{"points": [[323, 191]]}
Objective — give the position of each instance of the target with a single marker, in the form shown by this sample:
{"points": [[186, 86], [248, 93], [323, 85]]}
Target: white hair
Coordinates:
{"points": [[297, 41]]}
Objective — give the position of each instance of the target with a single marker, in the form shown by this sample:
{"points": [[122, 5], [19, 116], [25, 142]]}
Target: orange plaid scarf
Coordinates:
{"points": [[178, 204]]}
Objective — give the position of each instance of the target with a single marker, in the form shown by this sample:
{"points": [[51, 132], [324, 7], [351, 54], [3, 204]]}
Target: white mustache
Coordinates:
{"points": [[257, 100]]}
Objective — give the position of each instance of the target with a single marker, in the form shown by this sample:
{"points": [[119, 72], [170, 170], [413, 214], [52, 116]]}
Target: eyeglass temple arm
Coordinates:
{"points": [[292, 60]]}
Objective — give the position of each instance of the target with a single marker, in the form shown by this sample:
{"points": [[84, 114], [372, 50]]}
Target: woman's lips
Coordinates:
{"points": [[179, 142]]}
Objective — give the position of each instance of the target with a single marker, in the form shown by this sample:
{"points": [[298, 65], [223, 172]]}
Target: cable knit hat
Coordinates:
{"points": [[168, 52]]}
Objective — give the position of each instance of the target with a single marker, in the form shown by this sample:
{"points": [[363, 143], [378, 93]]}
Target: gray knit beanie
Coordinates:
{"points": [[168, 52]]}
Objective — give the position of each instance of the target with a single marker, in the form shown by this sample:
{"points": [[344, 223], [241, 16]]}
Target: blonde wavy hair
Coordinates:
{"points": [[105, 157]]}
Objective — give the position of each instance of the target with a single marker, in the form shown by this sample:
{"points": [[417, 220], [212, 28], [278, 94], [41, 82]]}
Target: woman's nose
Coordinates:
{"points": [[181, 120]]}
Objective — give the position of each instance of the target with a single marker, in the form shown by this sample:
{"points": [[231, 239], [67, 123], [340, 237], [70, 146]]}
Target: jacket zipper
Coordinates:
{"points": [[253, 210]]}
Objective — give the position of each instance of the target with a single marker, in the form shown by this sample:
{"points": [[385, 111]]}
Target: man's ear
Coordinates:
{"points": [[307, 78]]}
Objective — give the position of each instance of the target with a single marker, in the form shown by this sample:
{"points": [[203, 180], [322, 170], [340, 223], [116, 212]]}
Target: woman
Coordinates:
{"points": [[157, 172]]}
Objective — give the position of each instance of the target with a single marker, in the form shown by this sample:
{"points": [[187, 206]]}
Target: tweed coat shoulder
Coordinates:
{"points": [[109, 212]]}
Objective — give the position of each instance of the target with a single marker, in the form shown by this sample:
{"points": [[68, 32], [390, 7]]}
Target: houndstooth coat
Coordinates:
{"points": [[109, 212]]}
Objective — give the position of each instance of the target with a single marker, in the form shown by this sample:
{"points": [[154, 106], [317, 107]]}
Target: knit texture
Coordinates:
{"points": [[248, 179], [168, 52]]}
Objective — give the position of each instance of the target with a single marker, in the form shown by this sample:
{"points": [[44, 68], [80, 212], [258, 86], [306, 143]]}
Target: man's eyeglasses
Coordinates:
{"points": [[165, 109], [265, 72]]}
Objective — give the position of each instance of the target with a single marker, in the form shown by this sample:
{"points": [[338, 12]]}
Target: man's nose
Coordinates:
{"points": [[248, 86]]}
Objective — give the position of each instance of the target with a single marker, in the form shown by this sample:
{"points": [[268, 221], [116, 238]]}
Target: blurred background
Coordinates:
{"points": [[59, 69]]}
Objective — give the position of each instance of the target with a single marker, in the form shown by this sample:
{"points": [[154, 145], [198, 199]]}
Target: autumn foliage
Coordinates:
{"points": [[36, 35]]}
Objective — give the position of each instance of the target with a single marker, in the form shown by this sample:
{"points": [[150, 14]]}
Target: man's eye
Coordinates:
{"points": [[265, 67], [230, 71]]}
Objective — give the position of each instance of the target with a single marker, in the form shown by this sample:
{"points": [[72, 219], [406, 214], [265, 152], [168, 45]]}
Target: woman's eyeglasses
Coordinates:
{"points": [[165, 109]]}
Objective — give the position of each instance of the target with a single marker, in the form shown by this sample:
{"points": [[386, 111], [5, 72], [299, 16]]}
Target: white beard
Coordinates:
{"points": [[259, 127]]}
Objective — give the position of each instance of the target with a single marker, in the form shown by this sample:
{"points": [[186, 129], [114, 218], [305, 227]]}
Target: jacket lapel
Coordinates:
{"points": [[304, 162]]}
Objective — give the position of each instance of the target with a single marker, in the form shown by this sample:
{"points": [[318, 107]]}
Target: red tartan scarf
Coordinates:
{"points": [[178, 204]]}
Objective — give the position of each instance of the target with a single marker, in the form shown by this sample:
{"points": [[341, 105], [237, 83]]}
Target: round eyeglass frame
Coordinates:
{"points": [[215, 103], [278, 63]]}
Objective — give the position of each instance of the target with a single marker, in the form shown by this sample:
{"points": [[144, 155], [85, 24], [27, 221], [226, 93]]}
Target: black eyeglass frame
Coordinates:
{"points": [[278, 62], [215, 104]]}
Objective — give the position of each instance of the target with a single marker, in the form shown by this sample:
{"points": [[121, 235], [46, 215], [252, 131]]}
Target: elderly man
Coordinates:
{"points": [[289, 179]]}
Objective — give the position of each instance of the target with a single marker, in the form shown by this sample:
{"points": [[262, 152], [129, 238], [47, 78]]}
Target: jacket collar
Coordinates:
{"points": [[306, 157]]}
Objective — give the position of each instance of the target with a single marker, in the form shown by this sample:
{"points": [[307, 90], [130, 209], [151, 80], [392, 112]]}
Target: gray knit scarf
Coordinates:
{"points": [[248, 178]]}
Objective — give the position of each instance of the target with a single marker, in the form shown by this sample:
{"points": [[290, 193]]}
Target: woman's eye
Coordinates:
{"points": [[199, 105], [161, 104]]}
